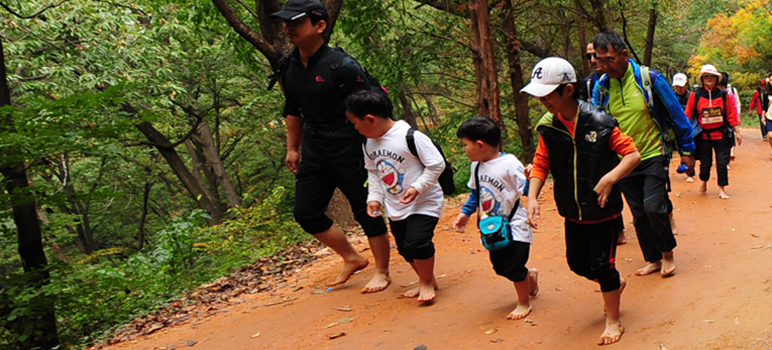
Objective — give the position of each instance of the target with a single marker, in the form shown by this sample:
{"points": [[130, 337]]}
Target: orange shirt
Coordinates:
{"points": [[619, 142]]}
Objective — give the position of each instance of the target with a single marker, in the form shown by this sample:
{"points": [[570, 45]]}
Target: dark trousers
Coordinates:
{"points": [[763, 126], [591, 251], [315, 184], [722, 148], [645, 190]]}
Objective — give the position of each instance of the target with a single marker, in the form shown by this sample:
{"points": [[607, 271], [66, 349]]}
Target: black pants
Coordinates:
{"points": [[645, 190], [413, 236], [591, 251], [722, 148], [315, 184], [763, 126]]}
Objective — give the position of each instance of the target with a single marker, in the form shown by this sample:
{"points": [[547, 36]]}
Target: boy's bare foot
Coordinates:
{"points": [[668, 264], [533, 276], [612, 333], [649, 268], [689, 179], [426, 293], [378, 283], [704, 187], [722, 194], [520, 311], [416, 291], [348, 269]]}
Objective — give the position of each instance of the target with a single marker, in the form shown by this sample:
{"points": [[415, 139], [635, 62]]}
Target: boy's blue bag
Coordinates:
{"points": [[494, 230]]}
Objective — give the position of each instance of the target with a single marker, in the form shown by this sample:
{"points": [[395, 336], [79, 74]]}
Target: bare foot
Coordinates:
{"points": [[668, 264], [722, 194], [621, 239], [612, 333], [689, 179], [378, 283], [704, 187], [426, 293], [416, 291], [348, 269], [649, 268], [520, 311], [533, 276]]}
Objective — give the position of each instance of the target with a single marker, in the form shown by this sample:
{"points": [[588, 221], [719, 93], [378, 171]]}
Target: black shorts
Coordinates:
{"points": [[591, 251], [414, 236], [315, 184], [510, 261]]}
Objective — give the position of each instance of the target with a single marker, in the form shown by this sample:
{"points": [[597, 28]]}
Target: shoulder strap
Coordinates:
{"points": [[410, 138], [646, 78], [280, 73], [477, 187]]}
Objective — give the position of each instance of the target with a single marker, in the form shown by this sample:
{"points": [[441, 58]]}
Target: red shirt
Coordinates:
{"points": [[710, 120]]}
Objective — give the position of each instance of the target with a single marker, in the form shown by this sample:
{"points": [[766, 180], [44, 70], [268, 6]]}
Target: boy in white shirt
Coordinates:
{"points": [[497, 181], [404, 184]]}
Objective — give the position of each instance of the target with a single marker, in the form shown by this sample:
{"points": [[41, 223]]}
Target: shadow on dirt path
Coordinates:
{"points": [[719, 298]]}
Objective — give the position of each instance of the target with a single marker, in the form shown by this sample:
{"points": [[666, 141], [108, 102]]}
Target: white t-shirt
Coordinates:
{"points": [[392, 170], [502, 182]]}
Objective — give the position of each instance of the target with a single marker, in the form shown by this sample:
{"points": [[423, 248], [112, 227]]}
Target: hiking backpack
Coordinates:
{"points": [[727, 131], [335, 57], [446, 178]]}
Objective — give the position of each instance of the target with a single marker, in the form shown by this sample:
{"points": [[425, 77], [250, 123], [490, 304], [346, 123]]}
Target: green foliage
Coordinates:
{"points": [[111, 287]]}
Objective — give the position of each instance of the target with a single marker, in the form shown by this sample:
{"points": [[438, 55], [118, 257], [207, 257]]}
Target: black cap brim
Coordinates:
{"points": [[288, 15]]}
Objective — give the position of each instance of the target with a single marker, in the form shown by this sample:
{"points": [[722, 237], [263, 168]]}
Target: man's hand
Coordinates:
{"points": [[534, 212], [603, 189], [409, 196], [737, 136], [460, 224], [292, 160], [374, 209]]}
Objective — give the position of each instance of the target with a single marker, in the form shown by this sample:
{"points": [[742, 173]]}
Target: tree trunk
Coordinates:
{"points": [[650, 35], [488, 98], [40, 327], [213, 157], [582, 40], [600, 15], [407, 110], [143, 217], [180, 169], [516, 78]]}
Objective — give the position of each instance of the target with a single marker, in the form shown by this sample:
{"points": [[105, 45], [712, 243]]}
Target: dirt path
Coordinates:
{"points": [[720, 297]]}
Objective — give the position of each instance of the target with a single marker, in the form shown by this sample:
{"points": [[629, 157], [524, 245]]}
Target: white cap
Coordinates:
{"points": [[680, 79], [710, 69], [548, 74]]}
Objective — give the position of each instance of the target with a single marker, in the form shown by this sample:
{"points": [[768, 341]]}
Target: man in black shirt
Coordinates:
{"points": [[331, 147]]}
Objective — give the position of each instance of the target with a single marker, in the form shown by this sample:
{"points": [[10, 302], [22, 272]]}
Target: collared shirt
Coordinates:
{"points": [[628, 106], [312, 94]]}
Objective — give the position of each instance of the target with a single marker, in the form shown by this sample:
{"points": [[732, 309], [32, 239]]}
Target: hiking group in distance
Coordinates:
{"points": [[610, 134]]}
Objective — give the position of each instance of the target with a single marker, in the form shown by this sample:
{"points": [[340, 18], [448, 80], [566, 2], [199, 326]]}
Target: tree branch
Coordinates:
{"points": [[33, 15], [133, 9]]}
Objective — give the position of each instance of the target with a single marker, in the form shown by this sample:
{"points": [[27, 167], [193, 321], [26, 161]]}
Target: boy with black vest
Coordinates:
{"points": [[581, 145]]}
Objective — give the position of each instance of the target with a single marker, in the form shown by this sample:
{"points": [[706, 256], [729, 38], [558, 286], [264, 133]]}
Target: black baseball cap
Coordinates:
{"points": [[295, 9]]}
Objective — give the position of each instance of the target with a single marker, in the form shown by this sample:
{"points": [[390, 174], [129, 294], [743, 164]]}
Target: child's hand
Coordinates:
{"points": [[409, 196], [460, 223], [534, 212], [374, 209], [527, 171], [603, 189]]}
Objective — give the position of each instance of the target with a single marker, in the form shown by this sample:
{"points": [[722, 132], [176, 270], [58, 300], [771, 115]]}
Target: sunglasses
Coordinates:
{"points": [[589, 56]]}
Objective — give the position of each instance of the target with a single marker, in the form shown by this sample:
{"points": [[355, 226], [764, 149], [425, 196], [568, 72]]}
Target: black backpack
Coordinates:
{"points": [[336, 57], [446, 178]]}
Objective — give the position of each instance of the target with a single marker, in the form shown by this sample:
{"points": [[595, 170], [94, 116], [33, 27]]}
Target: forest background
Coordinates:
{"points": [[142, 155]]}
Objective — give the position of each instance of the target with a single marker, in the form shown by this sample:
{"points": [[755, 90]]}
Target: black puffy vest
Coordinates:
{"points": [[577, 164]]}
